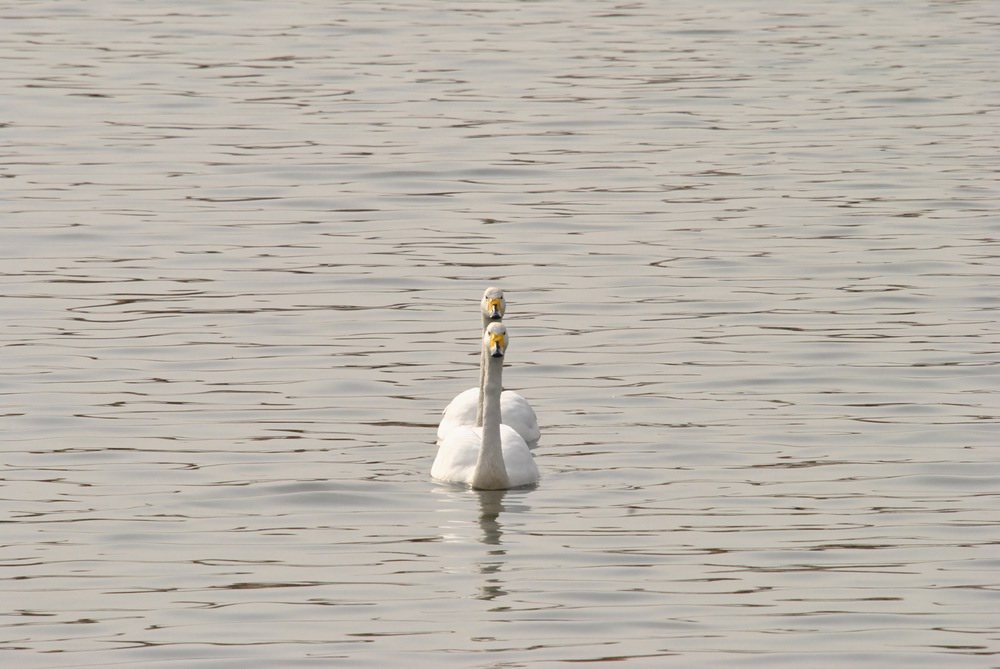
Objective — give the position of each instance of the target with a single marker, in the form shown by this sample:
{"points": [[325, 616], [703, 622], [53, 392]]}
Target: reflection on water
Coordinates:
{"points": [[489, 530], [490, 508], [749, 252]]}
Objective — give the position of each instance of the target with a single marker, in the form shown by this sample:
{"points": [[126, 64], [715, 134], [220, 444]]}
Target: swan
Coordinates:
{"points": [[467, 407], [493, 456]]}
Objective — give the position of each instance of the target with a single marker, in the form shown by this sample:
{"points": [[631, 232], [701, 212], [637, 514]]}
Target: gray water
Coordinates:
{"points": [[750, 251]]}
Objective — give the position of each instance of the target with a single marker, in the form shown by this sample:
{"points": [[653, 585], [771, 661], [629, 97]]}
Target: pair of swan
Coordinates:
{"points": [[467, 407], [486, 433]]}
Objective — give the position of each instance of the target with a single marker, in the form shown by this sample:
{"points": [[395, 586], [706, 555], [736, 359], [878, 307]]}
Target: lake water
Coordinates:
{"points": [[751, 253]]}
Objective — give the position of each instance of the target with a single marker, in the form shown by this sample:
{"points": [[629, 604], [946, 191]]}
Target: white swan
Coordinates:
{"points": [[467, 407], [494, 456]]}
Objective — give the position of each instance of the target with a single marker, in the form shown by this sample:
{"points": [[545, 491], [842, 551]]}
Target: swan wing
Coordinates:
{"points": [[457, 455], [460, 411], [517, 458], [518, 414]]}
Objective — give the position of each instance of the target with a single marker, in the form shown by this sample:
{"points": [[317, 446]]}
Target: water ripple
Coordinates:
{"points": [[750, 257]]}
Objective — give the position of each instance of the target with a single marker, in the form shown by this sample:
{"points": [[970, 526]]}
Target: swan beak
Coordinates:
{"points": [[494, 309], [498, 343]]}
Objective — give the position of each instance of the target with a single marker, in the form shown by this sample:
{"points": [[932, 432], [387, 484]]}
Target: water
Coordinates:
{"points": [[750, 254]]}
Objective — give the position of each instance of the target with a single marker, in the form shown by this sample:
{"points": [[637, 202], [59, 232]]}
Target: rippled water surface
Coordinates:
{"points": [[750, 252]]}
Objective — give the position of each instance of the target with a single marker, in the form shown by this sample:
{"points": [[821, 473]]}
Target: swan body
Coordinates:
{"points": [[492, 456], [459, 452], [467, 407]]}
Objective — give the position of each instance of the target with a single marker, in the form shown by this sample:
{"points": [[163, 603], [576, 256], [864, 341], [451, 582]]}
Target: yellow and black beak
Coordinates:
{"points": [[494, 307], [497, 345]]}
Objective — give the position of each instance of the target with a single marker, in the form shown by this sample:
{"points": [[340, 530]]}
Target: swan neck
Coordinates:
{"points": [[482, 375], [491, 473]]}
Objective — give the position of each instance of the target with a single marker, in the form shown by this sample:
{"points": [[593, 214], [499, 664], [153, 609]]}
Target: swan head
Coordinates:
{"points": [[495, 339], [493, 304]]}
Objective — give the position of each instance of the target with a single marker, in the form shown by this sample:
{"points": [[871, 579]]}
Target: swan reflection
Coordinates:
{"points": [[490, 508], [487, 528]]}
